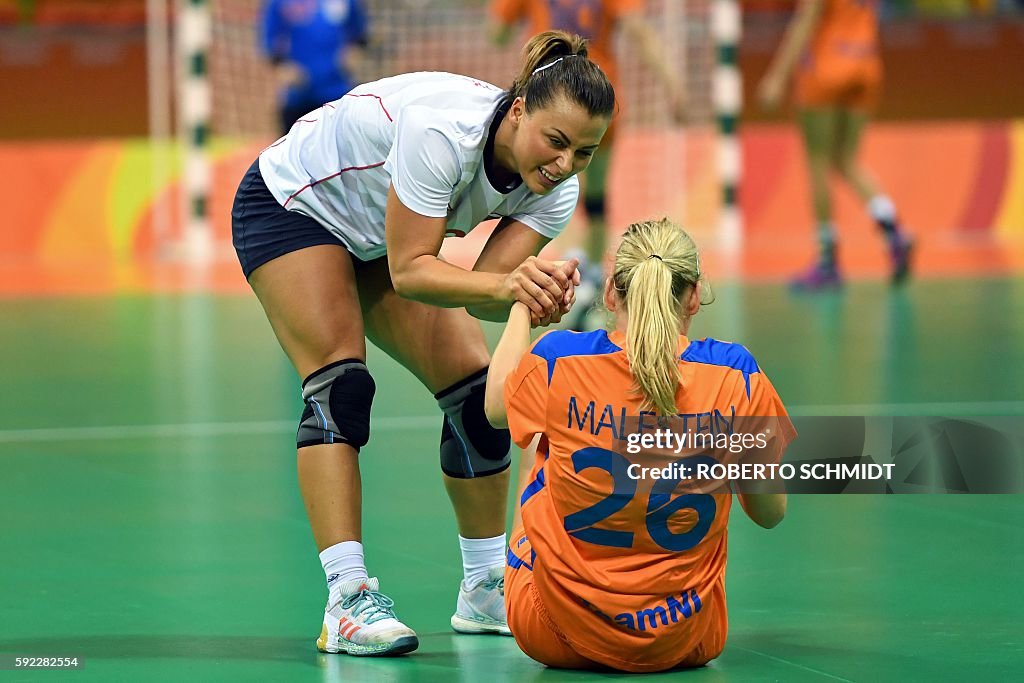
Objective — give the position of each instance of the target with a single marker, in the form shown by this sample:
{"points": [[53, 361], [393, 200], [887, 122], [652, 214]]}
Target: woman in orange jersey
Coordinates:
{"points": [[832, 46], [608, 568]]}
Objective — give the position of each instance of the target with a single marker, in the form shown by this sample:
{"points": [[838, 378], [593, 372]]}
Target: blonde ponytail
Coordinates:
{"points": [[656, 264]]}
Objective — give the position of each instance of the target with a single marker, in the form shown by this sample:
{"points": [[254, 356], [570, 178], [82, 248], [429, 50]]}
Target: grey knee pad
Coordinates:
{"points": [[338, 398], [470, 446]]}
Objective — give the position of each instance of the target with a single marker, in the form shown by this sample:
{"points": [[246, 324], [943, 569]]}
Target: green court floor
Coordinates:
{"points": [[150, 521]]}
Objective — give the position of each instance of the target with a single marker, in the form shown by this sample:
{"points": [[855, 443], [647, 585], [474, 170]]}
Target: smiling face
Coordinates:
{"points": [[554, 143]]}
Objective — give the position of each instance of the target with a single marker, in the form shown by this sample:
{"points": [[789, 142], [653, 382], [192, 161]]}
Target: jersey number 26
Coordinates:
{"points": [[660, 504]]}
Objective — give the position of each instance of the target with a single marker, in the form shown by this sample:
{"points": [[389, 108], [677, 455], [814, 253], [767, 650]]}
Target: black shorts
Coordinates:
{"points": [[262, 229]]}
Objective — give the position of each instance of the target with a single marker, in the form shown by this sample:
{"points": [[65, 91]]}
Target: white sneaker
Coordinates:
{"points": [[482, 610], [363, 623]]}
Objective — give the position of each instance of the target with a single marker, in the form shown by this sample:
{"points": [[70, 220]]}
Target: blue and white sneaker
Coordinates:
{"points": [[364, 623], [482, 609], [817, 278]]}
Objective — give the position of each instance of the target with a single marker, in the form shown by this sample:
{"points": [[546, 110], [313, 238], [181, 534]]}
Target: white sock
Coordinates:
{"points": [[342, 562], [479, 555], [881, 208]]}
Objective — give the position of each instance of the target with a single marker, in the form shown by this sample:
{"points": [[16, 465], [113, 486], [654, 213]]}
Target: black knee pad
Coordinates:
{"points": [[338, 398], [470, 446]]}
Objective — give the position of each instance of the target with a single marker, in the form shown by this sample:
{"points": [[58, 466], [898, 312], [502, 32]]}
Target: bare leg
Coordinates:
{"points": [[331, 488], [849, 130], [441, 346], [850, 126], [818, 127], [479, 504], [311, 301]]}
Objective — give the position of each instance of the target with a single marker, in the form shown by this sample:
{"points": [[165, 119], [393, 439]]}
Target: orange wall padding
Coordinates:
{"points": [[945, 177], [70, 204]]}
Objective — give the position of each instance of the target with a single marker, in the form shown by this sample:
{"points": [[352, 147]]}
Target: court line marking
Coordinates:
{"points": [[413, 422], [794, 664], [194, 429], [954, 409]]}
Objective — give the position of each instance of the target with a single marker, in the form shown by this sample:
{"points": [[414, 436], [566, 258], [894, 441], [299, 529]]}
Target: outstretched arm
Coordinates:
{"points": [[794, 43], [765, 509], [417, 273], [764, 500], [514, 246], [514, 342]]}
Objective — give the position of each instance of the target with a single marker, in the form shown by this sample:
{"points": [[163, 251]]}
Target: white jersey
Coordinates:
{"points": [[424, 133]]}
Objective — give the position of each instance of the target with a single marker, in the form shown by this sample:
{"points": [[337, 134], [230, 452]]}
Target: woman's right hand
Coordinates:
{"points": [[541, 286]]}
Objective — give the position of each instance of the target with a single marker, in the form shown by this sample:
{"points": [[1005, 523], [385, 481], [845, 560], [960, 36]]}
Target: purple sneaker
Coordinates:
{"points": [[819, 277], [899, 254]]}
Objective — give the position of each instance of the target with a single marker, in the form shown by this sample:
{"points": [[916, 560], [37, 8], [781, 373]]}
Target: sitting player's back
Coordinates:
{"points": [[612, 567]]}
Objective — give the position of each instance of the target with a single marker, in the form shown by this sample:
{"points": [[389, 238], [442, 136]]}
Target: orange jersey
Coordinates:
{"points": [[842, 65], [595, 20], [627, 571]]}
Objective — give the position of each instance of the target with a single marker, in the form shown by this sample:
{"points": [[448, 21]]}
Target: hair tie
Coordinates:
{"points": [[657, 257], [550, 64]]}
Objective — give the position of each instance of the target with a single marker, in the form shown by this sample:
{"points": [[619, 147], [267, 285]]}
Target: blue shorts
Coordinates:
{"points": [[262, 229]]}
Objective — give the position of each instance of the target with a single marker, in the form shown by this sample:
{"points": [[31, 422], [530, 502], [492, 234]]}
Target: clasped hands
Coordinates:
{"points": [[547, 288]]}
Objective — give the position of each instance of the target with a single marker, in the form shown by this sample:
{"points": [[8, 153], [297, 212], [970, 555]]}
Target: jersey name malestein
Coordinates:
{"points": [[424, 133]]}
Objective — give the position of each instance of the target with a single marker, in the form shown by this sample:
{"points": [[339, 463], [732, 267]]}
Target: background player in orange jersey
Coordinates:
{"points": [[598, 21], [607, 569], [832, 46]]}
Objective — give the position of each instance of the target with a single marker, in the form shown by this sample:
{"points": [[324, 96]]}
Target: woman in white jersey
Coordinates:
{"points": [[389, 170]]}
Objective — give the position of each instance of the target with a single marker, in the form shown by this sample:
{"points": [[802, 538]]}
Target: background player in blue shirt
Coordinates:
{"points": [[310, 43]]}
